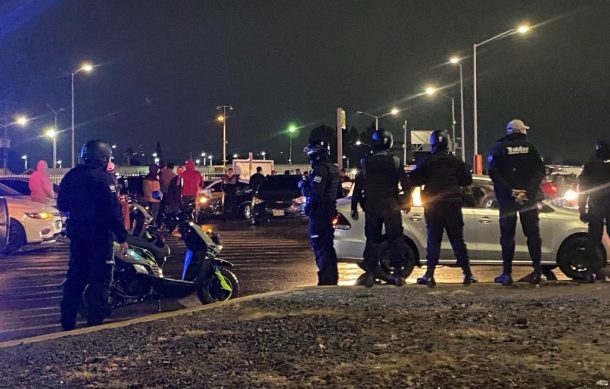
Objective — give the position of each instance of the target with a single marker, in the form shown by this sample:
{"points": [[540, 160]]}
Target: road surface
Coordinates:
{"points": [[268, 258]]}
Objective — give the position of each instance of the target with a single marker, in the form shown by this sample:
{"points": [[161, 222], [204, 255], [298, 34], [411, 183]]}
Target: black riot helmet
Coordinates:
{"points": [[382, 140], [96, 153], [317, 149], [439, 140]]}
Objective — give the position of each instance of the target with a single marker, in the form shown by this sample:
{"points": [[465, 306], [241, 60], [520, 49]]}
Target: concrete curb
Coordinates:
{"points": [[142, 319]]}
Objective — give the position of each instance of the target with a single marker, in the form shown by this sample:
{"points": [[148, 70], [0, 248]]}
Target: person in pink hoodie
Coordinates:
{"points": [[41, 189], [192, 180]]}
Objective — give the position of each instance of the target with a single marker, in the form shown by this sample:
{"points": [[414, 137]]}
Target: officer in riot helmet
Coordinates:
{"points": [[516, 169], [594, 206], [443, 176], [376, 189], [320, 189], [88, 195]]}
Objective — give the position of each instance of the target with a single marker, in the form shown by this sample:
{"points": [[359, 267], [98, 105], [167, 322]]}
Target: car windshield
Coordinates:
{"points": [[6, 191], [283, 182]]}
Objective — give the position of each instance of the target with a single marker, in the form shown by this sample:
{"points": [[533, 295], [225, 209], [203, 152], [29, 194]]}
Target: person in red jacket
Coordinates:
{"points": [[192, 180]]}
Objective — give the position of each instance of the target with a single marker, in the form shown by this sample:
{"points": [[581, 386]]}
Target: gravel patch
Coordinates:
{"points": [[449, 336]]}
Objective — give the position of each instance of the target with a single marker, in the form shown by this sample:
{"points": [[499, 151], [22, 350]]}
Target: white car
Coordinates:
{"points": [[31, 224], [563, 234]]}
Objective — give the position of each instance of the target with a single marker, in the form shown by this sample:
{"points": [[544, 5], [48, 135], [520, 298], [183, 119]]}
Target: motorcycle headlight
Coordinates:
{"points": [[203, 200], [39, 215], [140, 269], [257, 201]]}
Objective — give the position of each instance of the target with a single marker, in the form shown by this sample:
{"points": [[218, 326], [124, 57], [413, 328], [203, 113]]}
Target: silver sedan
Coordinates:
{"points": [[563, 234]]}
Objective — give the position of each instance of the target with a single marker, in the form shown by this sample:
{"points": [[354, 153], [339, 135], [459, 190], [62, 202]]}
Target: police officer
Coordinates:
{"points": [[517, 170], [443, 176], [594, 205], [88, 194], [377, 183], [320, 188]]}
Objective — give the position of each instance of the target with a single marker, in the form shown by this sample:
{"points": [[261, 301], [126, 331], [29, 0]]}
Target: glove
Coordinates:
{"points": [[584, 217], [354, 214]]}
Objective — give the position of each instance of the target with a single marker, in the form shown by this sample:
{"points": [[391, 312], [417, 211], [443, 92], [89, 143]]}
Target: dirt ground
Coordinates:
{"points": [[482, 336]]}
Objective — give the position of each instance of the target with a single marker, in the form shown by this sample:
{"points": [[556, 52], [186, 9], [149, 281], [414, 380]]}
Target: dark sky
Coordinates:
{"points": [[166, 65]]}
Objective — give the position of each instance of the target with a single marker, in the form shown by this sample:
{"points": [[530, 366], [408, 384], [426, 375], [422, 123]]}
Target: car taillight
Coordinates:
{"points": [[340, 222]]}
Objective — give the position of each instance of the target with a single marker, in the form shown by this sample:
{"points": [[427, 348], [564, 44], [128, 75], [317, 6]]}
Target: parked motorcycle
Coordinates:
{"points": [[142, 235], [138, 277]]}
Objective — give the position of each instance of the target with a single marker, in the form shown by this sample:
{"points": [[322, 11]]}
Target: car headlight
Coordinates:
{"points": [[257, 201], [571, 195], [39, 215], [300, 200]]}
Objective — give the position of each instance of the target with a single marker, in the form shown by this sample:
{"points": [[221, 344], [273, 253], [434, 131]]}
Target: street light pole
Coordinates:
{"points": [[462, 114], [404, 143], [453, 121], [86, 67], [224, 131], [521, 30]]}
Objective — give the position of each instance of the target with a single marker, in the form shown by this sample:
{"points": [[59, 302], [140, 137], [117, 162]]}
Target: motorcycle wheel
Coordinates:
{"points": [[212, 291]]}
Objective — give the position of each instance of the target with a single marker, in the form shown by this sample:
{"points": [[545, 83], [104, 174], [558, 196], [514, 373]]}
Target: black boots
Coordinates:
{"points": [[427, 279], [504, 279]]}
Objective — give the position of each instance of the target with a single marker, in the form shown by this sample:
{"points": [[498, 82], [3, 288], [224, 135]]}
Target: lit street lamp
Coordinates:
{"points": [[52, 133], [291, 130], [457, 61], [518, 30], [204, 158], [223, 118], [25, 161], [21, 121], [198, 161], [59, 163], [430, 91], [210, 157], [87, 68], [393, 112], [263, 153], [346, 160]]}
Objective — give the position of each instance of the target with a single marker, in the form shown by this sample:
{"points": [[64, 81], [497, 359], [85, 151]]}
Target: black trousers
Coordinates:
{"points": [[89, 271], [321, 238], [531, 229], [377, 215], [445, 217], [597, 219], [228, 206]]}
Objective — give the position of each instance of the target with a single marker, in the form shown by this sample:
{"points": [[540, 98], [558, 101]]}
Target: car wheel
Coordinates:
{"points": [[245, 211], [403, 269], [16, 238], [572, 258]]}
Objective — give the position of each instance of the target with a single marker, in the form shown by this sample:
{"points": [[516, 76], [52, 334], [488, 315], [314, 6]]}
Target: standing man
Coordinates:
{"points": [[229, 188], [165, 177], [88, 195], [594, 205], [517, 170], [192, 181], [443, 176], [378, 180], [257, 179], [41, 189], [321, 191]]}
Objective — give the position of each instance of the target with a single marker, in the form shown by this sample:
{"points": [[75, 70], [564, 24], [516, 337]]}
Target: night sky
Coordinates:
{"points": [[166, 65]]}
